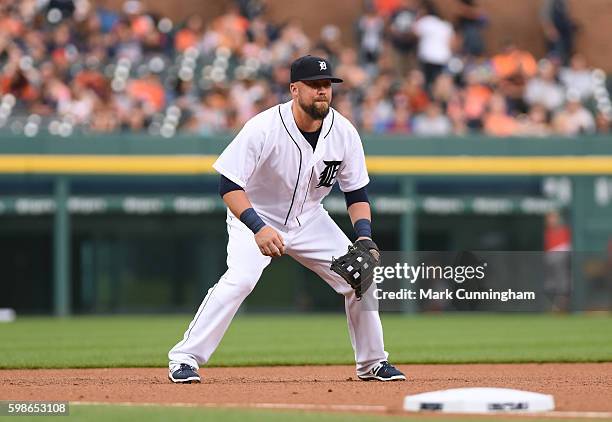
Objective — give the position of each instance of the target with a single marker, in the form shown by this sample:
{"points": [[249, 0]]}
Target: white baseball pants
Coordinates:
{"points": [[312, 245]]}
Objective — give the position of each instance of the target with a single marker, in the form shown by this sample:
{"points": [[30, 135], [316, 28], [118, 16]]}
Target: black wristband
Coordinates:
{"points": [[252, 220], [363, 228]]}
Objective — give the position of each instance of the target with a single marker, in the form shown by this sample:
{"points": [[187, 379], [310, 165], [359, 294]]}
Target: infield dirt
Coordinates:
{"points": [[575, 386]]}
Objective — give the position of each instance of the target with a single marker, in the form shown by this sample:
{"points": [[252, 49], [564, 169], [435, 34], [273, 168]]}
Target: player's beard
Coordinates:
{"points": [[318, 110]]}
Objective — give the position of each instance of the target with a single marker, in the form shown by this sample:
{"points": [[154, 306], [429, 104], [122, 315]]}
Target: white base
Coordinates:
{"points": [[479, 400], [7, 315]]}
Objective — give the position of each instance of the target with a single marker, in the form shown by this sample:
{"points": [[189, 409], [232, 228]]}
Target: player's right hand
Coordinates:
{"points": [[270, 242]]}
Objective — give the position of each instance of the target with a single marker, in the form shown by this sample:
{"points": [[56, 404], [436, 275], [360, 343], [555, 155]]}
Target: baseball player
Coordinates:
{"points": [[274, 175]]}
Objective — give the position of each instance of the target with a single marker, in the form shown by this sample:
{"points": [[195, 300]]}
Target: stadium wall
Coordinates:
{"points": [[130, 223]]}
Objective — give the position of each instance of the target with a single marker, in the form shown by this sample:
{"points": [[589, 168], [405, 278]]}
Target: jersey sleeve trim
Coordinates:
{"points": [[356, 186], [229, 175]]}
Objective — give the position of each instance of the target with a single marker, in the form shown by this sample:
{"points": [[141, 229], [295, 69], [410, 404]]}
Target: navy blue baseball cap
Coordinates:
{"points": [[312, 68]]}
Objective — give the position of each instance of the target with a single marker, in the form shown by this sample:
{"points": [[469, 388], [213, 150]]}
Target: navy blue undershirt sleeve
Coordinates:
{"points": [[359, 195], [226, 185]]}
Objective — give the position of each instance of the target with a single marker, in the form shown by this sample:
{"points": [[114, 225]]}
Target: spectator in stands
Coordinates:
{"points": [[15, 81], [149, 91], [456, 114], [261, 31], [79, 106], [544, 88], [62, 49], [512, 61], [535, 123], [330, 44], [94, 79], [210, 40], [470, 21], [385, 8], [104, 118], [574, 118], [66, 7], [402, 37], [414, 91], [513, 68], [385, 64], [279, 83], [259, 35], [370, 33], [185, 94], [400, 125], [344, 105], [376, 111], [35, 47], [354, 76], [476, 97], [497, 122], [443, 89], [578, 77], [107, 18], [292, 42], [140, 23], [435, 37], [211, 116], [231, 28], [247, 96], [125, 44], [432, 122], [251, 9], [136, 120], [603, 123], [190, 34], [483, 69], [52, 92], [559, 29]]}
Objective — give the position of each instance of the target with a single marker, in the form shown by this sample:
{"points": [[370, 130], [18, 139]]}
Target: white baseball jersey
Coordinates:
{"points": [[285, 181], [282, 176]]}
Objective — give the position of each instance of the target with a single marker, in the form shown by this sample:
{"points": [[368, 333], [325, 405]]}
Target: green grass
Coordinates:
{"points": [[141, 341], [161, 413]]}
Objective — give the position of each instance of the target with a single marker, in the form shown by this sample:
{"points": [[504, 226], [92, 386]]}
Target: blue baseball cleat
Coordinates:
{"points": [[384, 371], [184, 374]]}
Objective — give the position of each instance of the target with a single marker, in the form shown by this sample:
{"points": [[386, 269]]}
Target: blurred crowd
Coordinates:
{"points": [[69, 65]]}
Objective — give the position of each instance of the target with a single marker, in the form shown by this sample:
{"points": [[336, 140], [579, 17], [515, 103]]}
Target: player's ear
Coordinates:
{"points": [[293, 89]]}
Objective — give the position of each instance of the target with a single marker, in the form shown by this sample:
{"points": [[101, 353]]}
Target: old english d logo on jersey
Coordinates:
{"points": [[328, 175]]}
